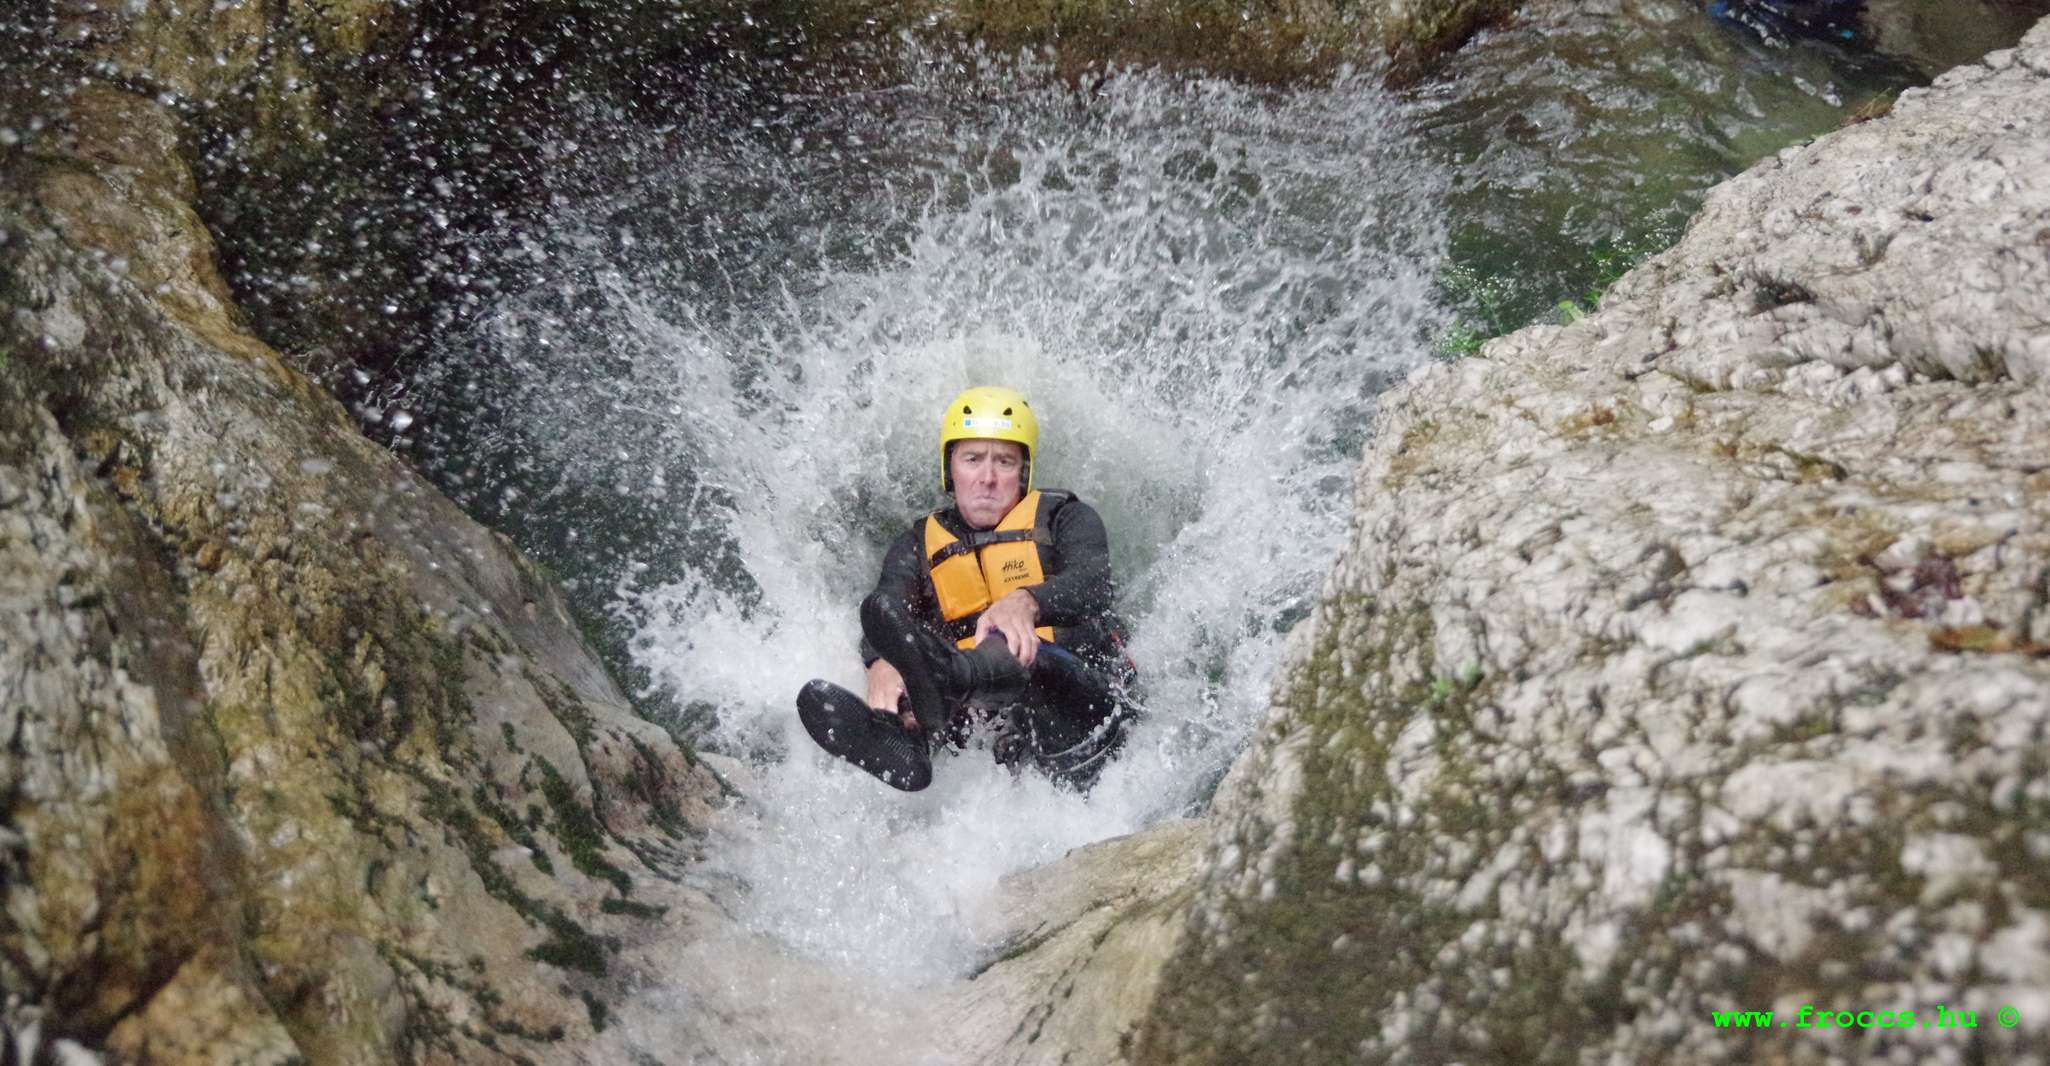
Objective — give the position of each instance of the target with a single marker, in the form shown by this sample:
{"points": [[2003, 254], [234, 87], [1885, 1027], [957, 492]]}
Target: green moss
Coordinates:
{"points": [[1769, 292], [1878, 105], [489, 640], [456, 713], [487, 999], [462, 829], [1222, 36], [1812, 467], [569, 945], [650, 784], [563, 702], [512, 1028], [583, 838], [594, 1007], [356, 809], [1490, 303], [627, 906], [514, 828], [1810, 726], [1276, 990]]}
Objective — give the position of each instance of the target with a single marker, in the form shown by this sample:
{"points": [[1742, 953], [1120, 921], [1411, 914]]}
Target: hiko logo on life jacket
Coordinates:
{"points": [[1014, 566]]}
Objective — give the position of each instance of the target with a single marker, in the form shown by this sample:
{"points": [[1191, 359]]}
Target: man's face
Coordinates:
{"points": [[989, 479]]}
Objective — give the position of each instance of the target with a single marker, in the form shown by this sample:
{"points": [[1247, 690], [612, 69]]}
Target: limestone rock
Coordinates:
{"points": [[1080, 944], [1936, 36], [1265, 41], [304, 764], [1690, 658], [1074, 947]]}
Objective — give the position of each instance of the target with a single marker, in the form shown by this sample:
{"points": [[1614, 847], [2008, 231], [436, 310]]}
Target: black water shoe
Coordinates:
{"points": [[846, 726]]}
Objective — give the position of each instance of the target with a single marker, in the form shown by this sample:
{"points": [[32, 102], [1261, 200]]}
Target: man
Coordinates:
{"points": [[997, 609]]}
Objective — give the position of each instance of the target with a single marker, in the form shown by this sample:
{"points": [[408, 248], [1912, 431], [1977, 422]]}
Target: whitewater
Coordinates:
{"points": [[737, 373]]}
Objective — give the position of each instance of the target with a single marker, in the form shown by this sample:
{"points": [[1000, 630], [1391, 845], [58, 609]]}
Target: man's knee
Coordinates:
{"points": [[1073, 684]]}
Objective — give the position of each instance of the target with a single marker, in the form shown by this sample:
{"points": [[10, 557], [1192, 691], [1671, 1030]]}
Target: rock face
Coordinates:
{"points": [[1690, 658], [302, 765], [1937, 36], [1080, 944], [1695, 657], [1074, 952], [1268, 41]]}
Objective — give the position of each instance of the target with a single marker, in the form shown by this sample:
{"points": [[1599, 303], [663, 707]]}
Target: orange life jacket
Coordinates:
{"points": [[970, 573]]}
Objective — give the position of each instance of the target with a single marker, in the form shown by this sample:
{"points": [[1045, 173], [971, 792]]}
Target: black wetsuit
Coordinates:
{"points": [[1069, 716], [1075, 599]]}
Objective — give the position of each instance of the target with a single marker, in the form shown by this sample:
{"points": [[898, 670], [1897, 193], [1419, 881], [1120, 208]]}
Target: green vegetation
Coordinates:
{"points": [[1484, 305], [1489, 305], [637, 910], [521, 833], [569, 945], [435, 1029], [650, 785], [1879, 105], [565, 704], [595, 1007], [572, 948], [579, 830]]}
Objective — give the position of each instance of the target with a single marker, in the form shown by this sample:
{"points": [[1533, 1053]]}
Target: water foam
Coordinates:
{"points": [[1201, 286]]}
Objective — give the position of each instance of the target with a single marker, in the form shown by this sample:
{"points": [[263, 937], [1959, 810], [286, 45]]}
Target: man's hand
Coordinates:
{"points": [[886, 689], [1013, 617]]}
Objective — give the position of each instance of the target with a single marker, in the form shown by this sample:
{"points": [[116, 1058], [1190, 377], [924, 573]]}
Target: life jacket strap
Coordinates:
{"points": [[980, 538]]}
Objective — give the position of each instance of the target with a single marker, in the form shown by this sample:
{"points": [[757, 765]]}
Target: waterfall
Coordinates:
{"points": [[729, 387]]}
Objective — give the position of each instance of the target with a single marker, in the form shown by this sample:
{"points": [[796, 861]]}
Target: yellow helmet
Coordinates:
{"points": [[988, 412]]}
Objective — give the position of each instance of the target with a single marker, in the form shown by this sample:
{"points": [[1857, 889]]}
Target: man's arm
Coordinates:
{"points": [[1078, 587], [902, 578]]}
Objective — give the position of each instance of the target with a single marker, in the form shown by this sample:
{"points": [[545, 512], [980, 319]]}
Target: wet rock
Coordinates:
{"points": [[1073, 961], [1687, 658], [1077, 947], [1265, 42], [1936, 36], [304, 764]]}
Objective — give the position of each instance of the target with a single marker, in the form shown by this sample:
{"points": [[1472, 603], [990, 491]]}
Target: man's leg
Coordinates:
{"points": [[1076, 715], [937, 677]]}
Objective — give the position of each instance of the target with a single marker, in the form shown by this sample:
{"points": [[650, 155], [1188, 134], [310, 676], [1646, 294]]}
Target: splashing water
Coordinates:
{"points": [[740, 371]]}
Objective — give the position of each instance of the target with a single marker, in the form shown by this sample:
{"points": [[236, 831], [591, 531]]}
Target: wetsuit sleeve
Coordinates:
{"points": [[902, 579], [1078, 588]]}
